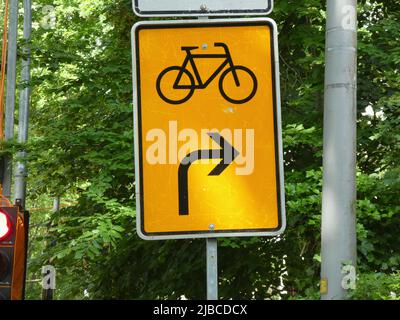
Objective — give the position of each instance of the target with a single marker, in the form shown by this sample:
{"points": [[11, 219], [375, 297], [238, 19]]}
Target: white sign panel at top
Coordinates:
{"points": [[175, 8]]}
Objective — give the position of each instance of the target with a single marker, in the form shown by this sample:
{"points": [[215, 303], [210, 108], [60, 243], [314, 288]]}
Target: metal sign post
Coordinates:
{"points": [[24, 102], [212, 269]]}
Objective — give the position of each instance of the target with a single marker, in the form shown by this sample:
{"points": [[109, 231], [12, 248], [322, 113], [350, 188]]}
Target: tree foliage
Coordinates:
{"points": [[81, 149]]}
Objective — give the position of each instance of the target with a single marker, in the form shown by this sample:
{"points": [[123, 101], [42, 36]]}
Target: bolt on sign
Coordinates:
{"points": [[163, 8], [208, 143]]}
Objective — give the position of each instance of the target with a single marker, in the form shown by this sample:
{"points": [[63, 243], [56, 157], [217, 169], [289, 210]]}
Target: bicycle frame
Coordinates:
{"points": [[190, 58]]}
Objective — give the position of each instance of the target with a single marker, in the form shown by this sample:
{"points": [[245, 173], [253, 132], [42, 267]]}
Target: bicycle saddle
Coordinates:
{"points": [[188, 48]]}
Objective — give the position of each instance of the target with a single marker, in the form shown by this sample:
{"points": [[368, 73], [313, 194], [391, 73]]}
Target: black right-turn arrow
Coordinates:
{"points": [[227, 153]]}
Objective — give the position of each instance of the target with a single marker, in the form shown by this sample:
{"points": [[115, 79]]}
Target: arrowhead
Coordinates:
{"points": [[227, 153]]}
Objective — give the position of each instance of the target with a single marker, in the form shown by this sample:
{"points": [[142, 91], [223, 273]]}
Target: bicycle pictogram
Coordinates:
{"points": [[187, 83]]}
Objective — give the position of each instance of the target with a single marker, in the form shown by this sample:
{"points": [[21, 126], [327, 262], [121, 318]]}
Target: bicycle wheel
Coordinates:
{"points": [[166, 81], [238, 94]]}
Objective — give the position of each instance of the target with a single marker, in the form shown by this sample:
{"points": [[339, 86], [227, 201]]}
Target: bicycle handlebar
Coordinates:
{"points": [[221, 44]]}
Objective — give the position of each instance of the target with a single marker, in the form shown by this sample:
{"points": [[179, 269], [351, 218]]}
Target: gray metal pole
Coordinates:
{"points": [[212, 269], [23, 121], [10, 96], [339, 245]]}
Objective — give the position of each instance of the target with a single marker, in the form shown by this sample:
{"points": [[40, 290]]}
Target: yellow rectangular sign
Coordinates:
{"points": [[208, 143]]}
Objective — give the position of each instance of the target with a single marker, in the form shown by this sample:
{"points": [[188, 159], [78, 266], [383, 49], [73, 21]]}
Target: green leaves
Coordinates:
{"points": [[377, 286], [81, 147]]}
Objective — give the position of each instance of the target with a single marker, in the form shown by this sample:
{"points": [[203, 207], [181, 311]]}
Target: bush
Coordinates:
{"points": [[377, 286]]}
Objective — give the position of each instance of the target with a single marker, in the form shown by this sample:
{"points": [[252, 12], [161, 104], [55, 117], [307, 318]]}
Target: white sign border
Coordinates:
{"points": [[217, 234], [199, 13]]}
